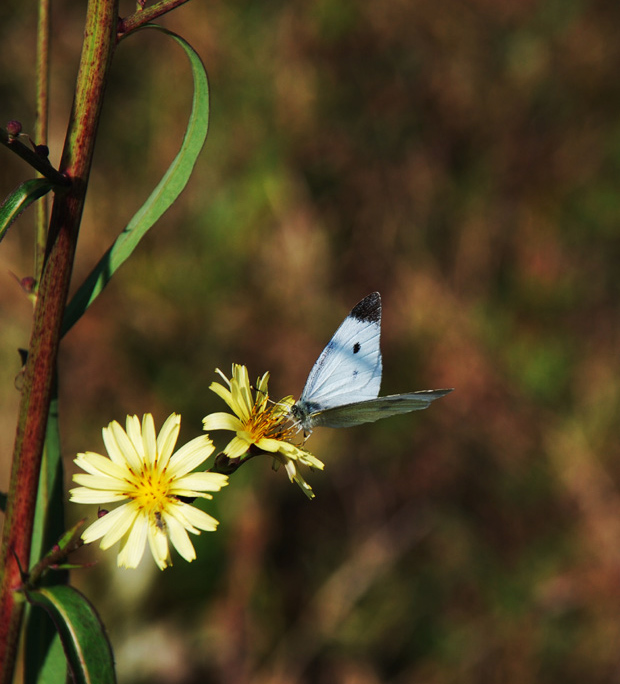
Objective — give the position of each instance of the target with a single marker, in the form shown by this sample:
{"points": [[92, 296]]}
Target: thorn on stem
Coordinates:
{"points": [[23, 575]]}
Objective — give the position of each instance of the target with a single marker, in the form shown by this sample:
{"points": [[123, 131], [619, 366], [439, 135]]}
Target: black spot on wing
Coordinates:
{"points": [[369, 309], [356, 347]]}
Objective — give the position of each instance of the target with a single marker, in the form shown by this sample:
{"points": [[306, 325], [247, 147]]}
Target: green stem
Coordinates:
{"points": [[99, 42], [40, 129]]}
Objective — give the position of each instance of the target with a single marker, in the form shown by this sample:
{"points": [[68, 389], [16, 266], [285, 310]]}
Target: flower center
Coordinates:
{"points": [[258, 424], [150, 490], [268, 422]]}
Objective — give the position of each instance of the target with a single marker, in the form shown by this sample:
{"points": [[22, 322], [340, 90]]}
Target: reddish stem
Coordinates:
{"points": [[141, 17], [99, 41]]}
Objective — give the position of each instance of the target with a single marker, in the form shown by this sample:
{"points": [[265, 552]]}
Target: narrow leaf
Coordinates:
{"points": [[53, 669], [22, 197], [160, 200], [41, 649], [48, 528], [87, 649], [49, 514]]}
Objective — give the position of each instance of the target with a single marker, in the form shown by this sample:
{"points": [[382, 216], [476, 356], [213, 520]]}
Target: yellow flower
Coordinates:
{"points": [[259, 424], [142, 471]]}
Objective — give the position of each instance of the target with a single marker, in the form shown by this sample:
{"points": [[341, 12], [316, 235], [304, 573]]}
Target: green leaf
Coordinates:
{"points": [[87, 649], [160, 200], [48, 528], [53, 669], [49, 514], [22, 197]]}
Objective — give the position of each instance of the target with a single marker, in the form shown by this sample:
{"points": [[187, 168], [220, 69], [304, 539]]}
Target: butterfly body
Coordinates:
{"points": [[342, 389]]}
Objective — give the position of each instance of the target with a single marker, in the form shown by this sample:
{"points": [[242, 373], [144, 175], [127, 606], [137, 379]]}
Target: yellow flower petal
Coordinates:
{"points": [[101, 482], [111, 526], [190, 456], [237, 447], [158, 543], [85, 495], [167, 438], [149, 439], [180, 539], [133, 428], [119, 446], [199, 519], [222, 392], [132, 549], [145, 475], [201, 482], [259, 422], [221, 421], [96, 464]]}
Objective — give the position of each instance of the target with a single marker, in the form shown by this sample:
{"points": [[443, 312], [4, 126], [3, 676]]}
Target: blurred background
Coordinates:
{"points": [[463, 158]]}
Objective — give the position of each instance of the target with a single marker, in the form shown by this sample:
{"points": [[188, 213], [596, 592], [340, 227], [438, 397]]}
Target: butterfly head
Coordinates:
{"points": [[301, 415]]}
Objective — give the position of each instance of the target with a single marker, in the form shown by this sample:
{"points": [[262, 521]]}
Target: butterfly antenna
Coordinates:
{"points": [[265, 394]]}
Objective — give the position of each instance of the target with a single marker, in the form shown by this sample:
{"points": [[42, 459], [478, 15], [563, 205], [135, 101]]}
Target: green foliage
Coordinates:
{"points": [[52, 668], [83, 636], [21, 198], [163, 196]]}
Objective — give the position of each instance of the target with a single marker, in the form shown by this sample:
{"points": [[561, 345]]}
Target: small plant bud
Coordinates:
{"points": [[28, 284], [14, 128]]}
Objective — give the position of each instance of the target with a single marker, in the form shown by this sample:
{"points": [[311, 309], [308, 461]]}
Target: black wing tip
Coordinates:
{"points": [[369, 309]]}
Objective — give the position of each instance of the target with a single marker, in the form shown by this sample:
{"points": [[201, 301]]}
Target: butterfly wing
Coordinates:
{"points": [[349, 368], [368, 411]]}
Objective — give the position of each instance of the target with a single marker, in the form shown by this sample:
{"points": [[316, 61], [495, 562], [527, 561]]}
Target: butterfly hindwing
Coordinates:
{"points": [[371, 410]]}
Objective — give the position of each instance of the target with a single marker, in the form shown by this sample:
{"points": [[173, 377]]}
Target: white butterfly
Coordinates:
{"points": [[342, 389]]}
